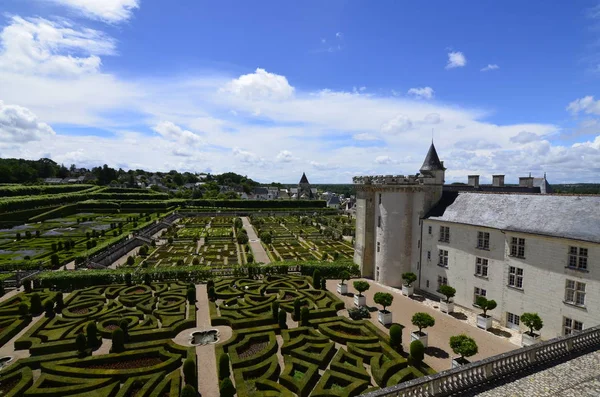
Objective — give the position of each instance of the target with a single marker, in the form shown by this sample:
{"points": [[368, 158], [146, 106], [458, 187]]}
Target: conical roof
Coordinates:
{"points": [[432, 161], [304, 179]]}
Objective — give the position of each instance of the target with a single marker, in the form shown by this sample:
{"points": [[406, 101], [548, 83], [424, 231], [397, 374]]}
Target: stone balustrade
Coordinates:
{"points": [[467, 376]]}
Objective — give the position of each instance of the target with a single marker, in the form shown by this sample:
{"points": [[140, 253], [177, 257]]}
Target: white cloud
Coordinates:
{"points": [[111, 11], [181, 152], [364, 136], [422, 92], [323, 166], [20, 125], [247, 157], [456, 59], [432, 118], [384, 160], [490, 67], [586, 105], [339, 35], [284, 156], [398, 124], [524, 137], [173, 132], [260, 85]]}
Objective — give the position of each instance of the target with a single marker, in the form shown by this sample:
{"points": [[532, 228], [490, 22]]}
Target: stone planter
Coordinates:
{"points": [[342, 289], [458, 361], [408, 291], [360, 300], [384, 317], [528, 339], [446, 307], [484, 322], [420, 336]]}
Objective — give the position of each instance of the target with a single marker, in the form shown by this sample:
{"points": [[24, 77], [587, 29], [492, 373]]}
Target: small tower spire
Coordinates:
{"points": [[432, 161]]}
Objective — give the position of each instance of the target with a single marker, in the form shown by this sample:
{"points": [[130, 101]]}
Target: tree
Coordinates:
{"points": [[463, 345], [532, 321], [27, 286], [324, 256], [344, 276], [195, 261], [304, 316], [54, 261], [448, 292], [297, 305], [23, 309], [58, 299], [49, 308], [81, 342], [147, 279], [242, 238], [128, 279], [409, 278], [191, 295], [417, 351], [396, 336], [316, 279], [275, 310], [226, 388], [250, 258], [124, 325], [188, 391], [1, 288], [92, 334], [282, 320], [324, 284], [384, 299], [224, 366], [361, 286], [189, 372], [485, 304], [118, 341], [130, 260], [212, 294], [170, 240], [36, 304], [422, 320]]}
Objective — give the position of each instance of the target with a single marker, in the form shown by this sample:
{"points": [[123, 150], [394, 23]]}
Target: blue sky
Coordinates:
{"points": [[336, 88]]}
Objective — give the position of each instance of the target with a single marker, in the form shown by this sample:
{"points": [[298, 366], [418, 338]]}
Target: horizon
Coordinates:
{"points": [[336, 89]]}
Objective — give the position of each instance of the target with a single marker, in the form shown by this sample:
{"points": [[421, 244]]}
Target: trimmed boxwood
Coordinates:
{"points": [[351, 386], [303, 386], [244, 377]]}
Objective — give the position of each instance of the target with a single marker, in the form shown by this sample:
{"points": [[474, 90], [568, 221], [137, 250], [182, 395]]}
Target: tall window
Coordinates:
{"points": [[379, 221], [481, 267], [483, 240], [379, 198], [515, 277], [445, 234], [428, 255], [443, 258], [478, 292], [578, 258], [442, 281], [378, 246], [430, 229], [571, 326], [513, 319], [575, 293], [517, 247]]}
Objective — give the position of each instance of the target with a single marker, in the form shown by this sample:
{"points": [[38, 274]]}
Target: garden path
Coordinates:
{"points": [[207, 362], [438, 354], [9, 348], [260, 255]]}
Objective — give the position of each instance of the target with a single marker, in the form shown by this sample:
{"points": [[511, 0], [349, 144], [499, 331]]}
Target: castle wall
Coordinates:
{"points": [[364, 237]]}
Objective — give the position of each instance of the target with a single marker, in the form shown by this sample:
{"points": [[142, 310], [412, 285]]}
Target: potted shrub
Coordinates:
{"points": [[421, 320], [534, 322], [361, 286], [407, 288], [447, 306], [341, 287], [464, 346], [384, 299], [483, 320]]}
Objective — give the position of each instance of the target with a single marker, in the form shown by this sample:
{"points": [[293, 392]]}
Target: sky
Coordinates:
{"points": [[271, 89]]}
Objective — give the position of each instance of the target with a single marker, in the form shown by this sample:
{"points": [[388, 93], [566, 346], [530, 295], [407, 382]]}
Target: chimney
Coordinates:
{"points": [[526, 181], [498, 180], [474, 181]]}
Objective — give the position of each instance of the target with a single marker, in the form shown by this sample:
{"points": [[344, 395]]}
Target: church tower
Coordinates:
{"points": [[388, 213]]}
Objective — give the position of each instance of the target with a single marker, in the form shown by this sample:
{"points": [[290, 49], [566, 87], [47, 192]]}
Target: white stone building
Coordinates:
{"points": [[529, 251]]}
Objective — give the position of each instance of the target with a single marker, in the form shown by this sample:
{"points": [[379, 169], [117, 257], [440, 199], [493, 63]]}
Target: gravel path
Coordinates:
{"points": [[260, 255]]}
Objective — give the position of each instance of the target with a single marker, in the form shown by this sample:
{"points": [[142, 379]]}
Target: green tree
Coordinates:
{"points": [[58, 299], [36, 303], [81, 342], [463, 345], [188, 391], [226, 388], [417, 352], [130, 260], [224, 371], [275, 310], [297, 305], [316, 279], [49, 307], [27, 286], [54, 261], [448, 292], [242, 238], [23, 309], [422, 320], [304, 316], [92, 334], [189, 372], [409, 278], [485, 304], [282, 319], [396, 336], [118, 341], [384, 299], [532, 321], [128, 279], [124, 325], [361, 286], [344, 276], [191, 295]]}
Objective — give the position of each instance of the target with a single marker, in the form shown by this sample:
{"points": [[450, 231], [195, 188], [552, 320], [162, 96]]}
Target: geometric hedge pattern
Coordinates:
{"points": [[149, 366], [333, 356], [11, 323]]}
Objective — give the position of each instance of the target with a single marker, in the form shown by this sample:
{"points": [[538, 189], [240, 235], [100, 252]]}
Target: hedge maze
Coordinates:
{"points": [[150, 364], [330, 356], [11, 321]]}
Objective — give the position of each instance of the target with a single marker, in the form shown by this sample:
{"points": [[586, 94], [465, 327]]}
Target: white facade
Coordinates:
{"points": [[545, 271]]}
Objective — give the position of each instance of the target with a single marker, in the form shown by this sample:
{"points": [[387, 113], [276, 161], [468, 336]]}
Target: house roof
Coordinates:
{"points": [[260, 190], [432, 161], [334, 200], [304, 179], [566, 216]]}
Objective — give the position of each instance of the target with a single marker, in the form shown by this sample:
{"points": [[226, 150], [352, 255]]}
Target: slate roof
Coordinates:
{"points": [[566, 216], [432, 161], [260, 190], [334, 200], [304, 179]]}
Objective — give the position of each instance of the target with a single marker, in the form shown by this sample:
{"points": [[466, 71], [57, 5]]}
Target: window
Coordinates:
{"points": [[575, 293], [379, 198], [379, 221], [377, 276], [483, 240], [442, 281], [378, 246], [481, 267], [517, 247], [427, 283], [571, 326], [444, 234], [515, 277], [578, 258], [428, 255], [443, 258], [478, 292], [513, 320], [430, 229]]}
